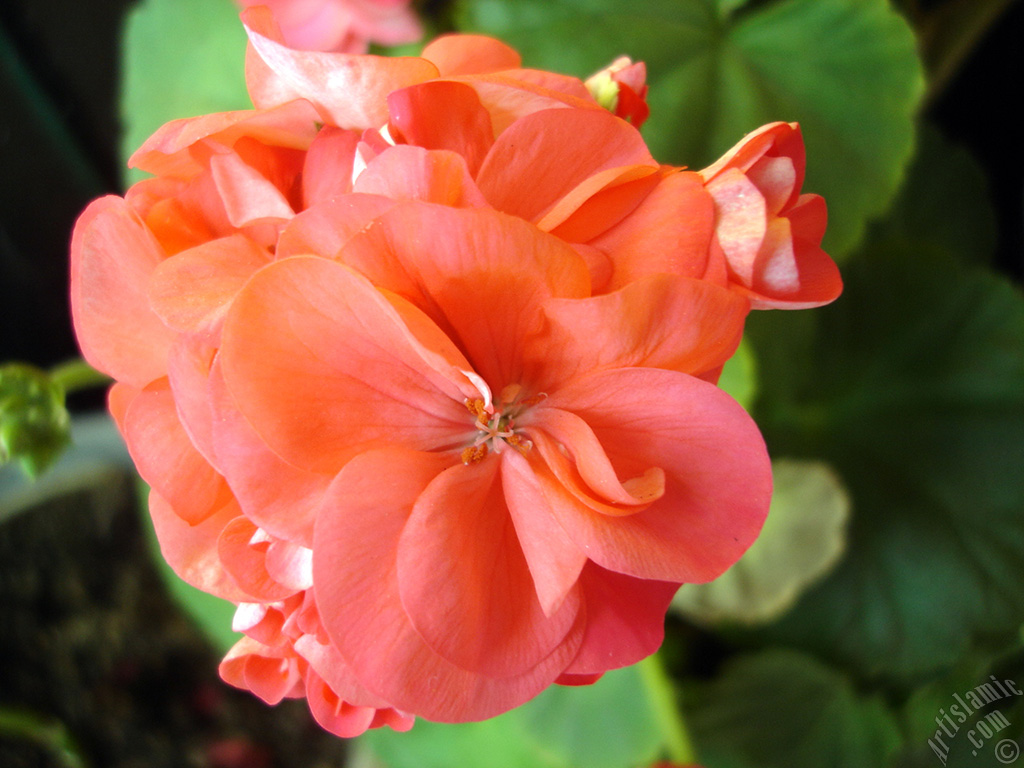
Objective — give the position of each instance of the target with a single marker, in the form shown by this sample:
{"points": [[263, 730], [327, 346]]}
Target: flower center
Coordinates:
{"points": [[496, 424]]}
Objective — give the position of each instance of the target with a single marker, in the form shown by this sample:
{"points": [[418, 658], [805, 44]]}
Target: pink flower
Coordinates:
{"points": [[410, 307], [343, 25]]}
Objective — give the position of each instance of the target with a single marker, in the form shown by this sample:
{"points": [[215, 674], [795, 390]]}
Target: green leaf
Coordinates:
{"points": [[910, 385], [944, 204], [181, 58], [607, 725], [34, 424], [802, 539], [780, 709], [847, 70]]}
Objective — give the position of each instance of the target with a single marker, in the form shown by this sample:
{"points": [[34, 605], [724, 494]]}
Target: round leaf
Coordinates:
{"points": [[911, 386]]}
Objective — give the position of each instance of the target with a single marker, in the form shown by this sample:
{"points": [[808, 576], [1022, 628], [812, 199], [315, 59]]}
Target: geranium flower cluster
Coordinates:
{"points": [[419, 358]]}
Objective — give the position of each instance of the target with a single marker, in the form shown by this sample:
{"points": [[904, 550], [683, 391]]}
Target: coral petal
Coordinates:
{"points": [[470, 55], [112, 257], [458, 551]]}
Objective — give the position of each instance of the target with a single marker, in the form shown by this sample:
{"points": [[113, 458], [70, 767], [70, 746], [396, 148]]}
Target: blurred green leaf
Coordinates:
{"points": [[34, 424], [944, 204], [780, 709], [607, 725], [802, 538], [912, 386], [181, 58], [847, 70]]}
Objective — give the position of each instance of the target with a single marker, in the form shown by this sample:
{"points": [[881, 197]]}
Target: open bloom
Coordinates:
{"points": [[343, 25], [520, 475], [406, 308]]}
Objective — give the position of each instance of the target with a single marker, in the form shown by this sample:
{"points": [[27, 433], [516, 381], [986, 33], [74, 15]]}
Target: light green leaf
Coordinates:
{"points": [[780, 709], [912, 386], [181, 58], [847, 70], [802, 538], [607, 725]]}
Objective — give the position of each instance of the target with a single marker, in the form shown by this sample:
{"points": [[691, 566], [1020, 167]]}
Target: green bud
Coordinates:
{"points": [[34, 423]]}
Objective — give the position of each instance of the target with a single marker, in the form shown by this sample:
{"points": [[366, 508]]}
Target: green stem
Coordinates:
{"points": [[662, 695], [74, 375], [48, 734]]}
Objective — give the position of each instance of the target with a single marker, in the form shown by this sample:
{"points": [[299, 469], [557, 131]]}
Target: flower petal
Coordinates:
{"points": [[520, 175], [470, 55], [323, 367], [625, 619], [464, 582], [660, 321], [191, 550], [478, 274], [166, 458], [192, 290], [355, 580], [243, 554], [442, 115], [348, 90], [669, 231], [413, 173], [113, 255], [717, 474], [324, 228], [554, 559]]}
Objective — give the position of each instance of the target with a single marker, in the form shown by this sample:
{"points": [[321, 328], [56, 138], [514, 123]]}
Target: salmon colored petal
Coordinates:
{"points": [[585, 213], [166, 152], [191, 550], [458, 553], [717, 474], [242, 549], [742, 221], [325, 228], [775, 177], [327, 171], [579, 461], [249, 197], [413, 173], [669, 231], [336, 672], [166, 458], [348, 90], [113, 255], [478, 274], [618, 191], [470, 55], [625, 619], [544, 156], [270, 673], [776, 139], [511, 95], [119, 398], [322, 367], [192, 290], [280, 498], [290, 564], [442, 115], [333, 713], [188, 370], [660, 321], [354, 575], [554, 559]]}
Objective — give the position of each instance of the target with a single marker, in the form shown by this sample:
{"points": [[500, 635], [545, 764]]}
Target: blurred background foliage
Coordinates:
{"points": [[891, 575]]}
